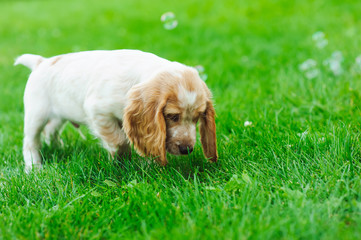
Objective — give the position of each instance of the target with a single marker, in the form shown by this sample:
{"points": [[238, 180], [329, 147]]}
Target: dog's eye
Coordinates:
{"points": [[173, 117]]}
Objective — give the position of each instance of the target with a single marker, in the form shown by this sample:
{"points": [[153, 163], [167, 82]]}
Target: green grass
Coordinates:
{"points": [[293, 174]]}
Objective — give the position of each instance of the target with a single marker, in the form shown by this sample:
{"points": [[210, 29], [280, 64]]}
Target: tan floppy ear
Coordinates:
{"points": [[144, 123], [207, 131]]}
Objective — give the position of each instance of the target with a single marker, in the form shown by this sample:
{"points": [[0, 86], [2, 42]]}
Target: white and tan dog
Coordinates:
{"points": [[122, 96]]}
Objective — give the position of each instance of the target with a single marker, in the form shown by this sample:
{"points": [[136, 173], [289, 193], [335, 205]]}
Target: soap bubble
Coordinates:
{"points": [[201, 72], [309, 68], [320, 39], [334, 63], [169, 21]]}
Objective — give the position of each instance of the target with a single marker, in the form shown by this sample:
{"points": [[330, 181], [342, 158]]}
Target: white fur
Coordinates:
{"points": [[175, 133], [84, 88], [186, 97], [29, 60]]}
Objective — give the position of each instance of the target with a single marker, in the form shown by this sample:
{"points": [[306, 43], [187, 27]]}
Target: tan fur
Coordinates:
{"points": [[55, 60], [107, 131], [144, 122], [38, 62], [149, 130], [114, 139], [207, 131]]}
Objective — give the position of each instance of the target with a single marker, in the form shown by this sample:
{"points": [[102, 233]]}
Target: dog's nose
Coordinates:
{"points": [[185, 149]]}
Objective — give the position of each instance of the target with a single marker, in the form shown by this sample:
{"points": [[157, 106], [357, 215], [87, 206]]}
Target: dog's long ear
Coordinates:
{"points": [[207, 131], [144, 123]]}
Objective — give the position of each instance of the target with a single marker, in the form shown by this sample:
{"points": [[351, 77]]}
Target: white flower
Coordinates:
{"points": [[247, 123], [312, 73], [337, 55], [309, 68], [336, 68], [319, 39], [308, 64], [322, 43], [318, 36], [334, 63], [303, 135], [357, 65], [358, 60]]}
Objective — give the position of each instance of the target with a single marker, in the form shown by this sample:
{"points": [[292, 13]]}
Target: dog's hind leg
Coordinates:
{"points": [[34, 122]]}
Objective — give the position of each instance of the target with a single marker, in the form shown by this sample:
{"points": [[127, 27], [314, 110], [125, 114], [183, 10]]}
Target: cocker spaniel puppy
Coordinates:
{"points": [[123, 96]]}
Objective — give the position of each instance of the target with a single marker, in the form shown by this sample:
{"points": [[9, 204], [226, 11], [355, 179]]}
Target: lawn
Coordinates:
{"points": [[291, 172]]}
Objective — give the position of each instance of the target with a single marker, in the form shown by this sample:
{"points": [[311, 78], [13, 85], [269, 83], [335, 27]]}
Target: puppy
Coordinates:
{"points": [[124, 97]]}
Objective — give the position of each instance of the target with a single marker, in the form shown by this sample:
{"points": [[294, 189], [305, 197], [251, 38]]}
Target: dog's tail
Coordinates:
{"points": [[29, 60]]}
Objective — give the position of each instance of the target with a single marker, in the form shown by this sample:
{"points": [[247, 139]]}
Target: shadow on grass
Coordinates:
{"points": [[90, 160]]}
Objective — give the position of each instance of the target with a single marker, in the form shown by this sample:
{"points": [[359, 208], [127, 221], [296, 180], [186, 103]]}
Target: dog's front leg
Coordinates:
{"points": [[109, 130]]}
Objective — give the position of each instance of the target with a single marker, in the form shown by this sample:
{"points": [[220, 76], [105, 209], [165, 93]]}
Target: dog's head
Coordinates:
{"points": [[161, 115]]}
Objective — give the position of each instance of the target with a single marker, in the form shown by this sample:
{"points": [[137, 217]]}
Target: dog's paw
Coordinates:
{"points": [[29, 168]]}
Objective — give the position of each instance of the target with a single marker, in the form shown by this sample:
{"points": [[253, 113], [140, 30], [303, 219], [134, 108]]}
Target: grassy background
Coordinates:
{"points": [[293, 174]]}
